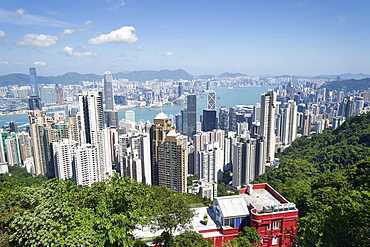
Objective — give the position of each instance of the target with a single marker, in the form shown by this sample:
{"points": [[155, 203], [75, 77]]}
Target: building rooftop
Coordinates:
{"points": [[161, 115], [232, 206], [261, 198]]}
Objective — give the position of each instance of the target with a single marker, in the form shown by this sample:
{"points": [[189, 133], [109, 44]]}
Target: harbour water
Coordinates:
{"points": [[225, 97]]}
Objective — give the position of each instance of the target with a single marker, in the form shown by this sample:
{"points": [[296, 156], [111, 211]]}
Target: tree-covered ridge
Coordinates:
{"points": [[59, 213], [348, 85], [328, 176]]}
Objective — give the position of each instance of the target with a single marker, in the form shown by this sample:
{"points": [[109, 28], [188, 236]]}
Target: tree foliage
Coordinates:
{"points": [[327, 176]]}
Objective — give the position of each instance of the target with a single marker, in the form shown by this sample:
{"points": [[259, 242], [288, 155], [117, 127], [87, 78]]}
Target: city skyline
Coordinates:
{"points": [[299, 37]]}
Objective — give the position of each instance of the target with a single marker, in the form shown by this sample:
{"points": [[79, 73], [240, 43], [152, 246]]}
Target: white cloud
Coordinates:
{"points": [[20, 11], [2, 34], [168, 54], [123, 35], [69, 51], [67, 32], [138, 48], [118, 4], [20, 17], [39, 63], [37, 40], [342, 19]]}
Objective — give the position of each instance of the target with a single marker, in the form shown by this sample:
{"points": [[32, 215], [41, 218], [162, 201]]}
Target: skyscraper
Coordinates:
{"points": [[289, 125], [172, 162], [268, 123], [91, 110], [33, 82], [158, 131], [209, 120], [34, 102], [211, 100], [108, 91], [192, 114], [169, 155]]}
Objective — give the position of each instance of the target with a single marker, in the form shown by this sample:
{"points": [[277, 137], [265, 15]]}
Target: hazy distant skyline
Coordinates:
{"points": [[295, 37]]}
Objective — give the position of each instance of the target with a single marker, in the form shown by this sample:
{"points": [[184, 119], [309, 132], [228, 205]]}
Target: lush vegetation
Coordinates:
{"points": [[39, 212], [328, 176]]}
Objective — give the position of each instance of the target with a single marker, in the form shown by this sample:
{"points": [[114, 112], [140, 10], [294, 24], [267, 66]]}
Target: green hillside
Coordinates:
{"points": [[328, 176]]}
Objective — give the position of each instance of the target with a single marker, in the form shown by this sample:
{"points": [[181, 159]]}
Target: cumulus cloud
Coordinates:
{"points": [[168, 54], [70, 52], [39, 63], [20, 12], [67, 32], [123, 35], [37, 40], [2, 34]]}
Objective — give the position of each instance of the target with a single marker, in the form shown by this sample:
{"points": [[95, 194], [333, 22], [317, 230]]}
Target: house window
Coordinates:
{"points": [[275, 241], [275, 225], [268, 226]]}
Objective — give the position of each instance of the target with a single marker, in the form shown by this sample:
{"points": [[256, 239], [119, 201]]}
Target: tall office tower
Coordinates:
{"points": [[64, 152], [192, 114], [290, 89], [59, 94], [33, 82], [203, 138], [178, 122], [12, 154], [48, 94], [34, 103], [158, 131], [211, 100], [111, 118], [180, 89], [224, 118], [133, 156], [130, 115], [40, 140], [184, 122], [87, 165], [172, 162], [268, 123], [359, 105], [211, 162], [232, 119], [289, 123], [91, 110], [108, 91], [209, 121], [248, 160], [13, 126]]}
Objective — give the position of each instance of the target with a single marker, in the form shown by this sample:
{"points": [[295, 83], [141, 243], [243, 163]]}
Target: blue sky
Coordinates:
{"points": [[255, 37]]}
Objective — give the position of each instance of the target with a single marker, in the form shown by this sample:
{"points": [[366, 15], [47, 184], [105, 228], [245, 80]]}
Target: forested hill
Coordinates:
{"points": [[328, 177], [348, 85]]}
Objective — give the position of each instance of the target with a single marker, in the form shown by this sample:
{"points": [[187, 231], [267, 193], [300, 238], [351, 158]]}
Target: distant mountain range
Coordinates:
{"points": [[142, 75], [348, 85]]}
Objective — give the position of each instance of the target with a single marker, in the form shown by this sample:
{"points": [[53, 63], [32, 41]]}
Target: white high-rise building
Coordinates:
{"points": [[289, 125], [211, 162], [268, 123], [87, 165], [104, 154], [130, 115], [64, 154]]}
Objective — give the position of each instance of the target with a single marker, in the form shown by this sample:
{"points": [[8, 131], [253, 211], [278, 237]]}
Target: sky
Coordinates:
{"points": [[254, 37]]}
